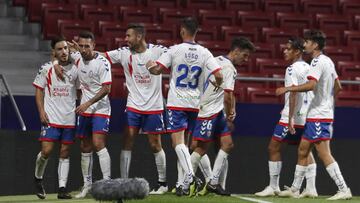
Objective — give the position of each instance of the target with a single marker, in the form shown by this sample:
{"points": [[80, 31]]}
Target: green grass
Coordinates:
{"points": [[170, 198]]}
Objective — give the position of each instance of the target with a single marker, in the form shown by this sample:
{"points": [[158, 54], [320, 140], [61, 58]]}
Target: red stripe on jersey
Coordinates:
{"points": [[161, 65], [311, 78], [316, 140], [61, 126], [182, 109], [228, 90], [216, 70], [295, 126], [106, 83], [37, 86], [324, 120], [108, 58], [95, 114], [77, 63], [203, 139], [130, 66], [143, 112], [49, 80], [208, 118]]}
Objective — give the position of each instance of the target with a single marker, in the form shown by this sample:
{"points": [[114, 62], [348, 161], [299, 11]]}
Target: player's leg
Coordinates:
{"points": [[134, 124], [205, 164], [310, 175]]}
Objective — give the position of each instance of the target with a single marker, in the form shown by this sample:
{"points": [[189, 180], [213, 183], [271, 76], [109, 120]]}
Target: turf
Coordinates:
{"points": [[170, 198]]}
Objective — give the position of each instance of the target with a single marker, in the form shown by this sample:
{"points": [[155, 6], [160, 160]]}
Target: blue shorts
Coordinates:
{"points": [[148, 123], [53, 134], [89, 125], [282, 134], [178, 120], [317, 131], [208, 129]]}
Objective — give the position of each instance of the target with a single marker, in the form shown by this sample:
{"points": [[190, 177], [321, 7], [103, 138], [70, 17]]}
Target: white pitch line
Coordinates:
{"points": [[250, 199]]}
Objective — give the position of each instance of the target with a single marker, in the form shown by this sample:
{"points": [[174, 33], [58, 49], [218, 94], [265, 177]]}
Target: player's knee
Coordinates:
{"points": [[228, 146], [155, 146], [303, 152], [45, 152]]}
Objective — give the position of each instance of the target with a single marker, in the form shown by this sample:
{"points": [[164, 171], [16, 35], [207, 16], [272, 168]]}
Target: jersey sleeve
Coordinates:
{"points": [[114, 56], [40, 81], [291, 77], [165, 59], [211, 63], [75, 56], [105, 72], [315, 71], [229, 79]]}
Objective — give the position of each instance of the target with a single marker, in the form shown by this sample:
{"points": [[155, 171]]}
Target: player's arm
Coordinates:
{"points": [[292, 104], [229, 105], [218, 78], [39, 98], [154, 68], [309, 86], [337, 87], [105, 90]]}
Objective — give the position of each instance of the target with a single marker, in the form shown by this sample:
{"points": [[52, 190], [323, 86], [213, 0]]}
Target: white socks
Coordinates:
{"points": [[125, 159], [274, 172], [86, 167], [219, 164], [63, 171], [223, 175], [184, 158], [335, 173], [205, 167], [105, 163], [40, 166], [195, 160], [180, 179], [160, 160], [310, 176], [298, 177]]}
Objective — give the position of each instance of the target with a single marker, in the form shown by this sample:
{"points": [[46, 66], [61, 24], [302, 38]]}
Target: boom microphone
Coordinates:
{"points": [[120, 189]]}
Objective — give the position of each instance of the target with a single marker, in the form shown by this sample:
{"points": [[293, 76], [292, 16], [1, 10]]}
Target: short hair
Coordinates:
{"points": [[296, 43], [57, 39], [137, 27], [316, 36], [87, 35], [242, 43], [190, 24]]}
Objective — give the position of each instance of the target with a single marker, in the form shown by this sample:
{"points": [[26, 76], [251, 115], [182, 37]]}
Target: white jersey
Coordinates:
{"points": [[145, 92], [93, 75], [212, 102], [295, 75], [188, 62], [322, 106], [59, 96]]}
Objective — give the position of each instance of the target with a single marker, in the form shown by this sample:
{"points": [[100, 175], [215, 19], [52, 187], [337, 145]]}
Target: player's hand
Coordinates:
{"points": [[59, 71], [150, 64], [281, 90], [44, 119], [231, 117], [73, 46], [291, 127], [216, 87], [82, 108]]}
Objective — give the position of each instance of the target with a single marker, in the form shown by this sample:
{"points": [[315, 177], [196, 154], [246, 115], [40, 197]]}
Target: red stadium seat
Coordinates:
{"points": [[349, 6], [348, 69], [112, 29], [240, 94], [262, 96], [51, 14], [333, 37], [201, 4], [118, 86], [250, 83], [163, 3], [22, 3], [229, 32], [103, 44], [348, 98], [71, 28], [138, 14], [352, 38], [357, 22], [207, 33], [340, 53], [97, 13], [210, 17], [167, 42], [328, 21], [168, 15], [34, 9], [156, 31], [217, 48], [271, 66], [280, 6], [264, 50], [119, 42], [79, 2], [294, 20], [123, 2], [278, 35], [319, 6], [255, 19], [241, 5]]}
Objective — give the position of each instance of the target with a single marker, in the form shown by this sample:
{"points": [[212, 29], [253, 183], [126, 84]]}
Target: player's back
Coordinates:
{"points": [[188, 62]]}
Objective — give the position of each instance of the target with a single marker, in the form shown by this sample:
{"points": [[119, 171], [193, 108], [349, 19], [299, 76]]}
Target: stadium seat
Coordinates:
{"points": [[210, 17], [51, 14], [348, 98], [138, 14], [97, 13], [352, 38], [357, 22], [103, 44], [264, 50], [278, 35], [255, 19], [333, 37], [112, 29], [280, 6], [167, 42], [328, 21], [217, 48], [251, 83], [34, 9], [207, 33], [71, 28], [349, 6], [163, 3], [79, 2], [241, 5], [201, 4], [229, 32], [118, 86], [348, 69], [156, 31], [262, 96], [271, 66], [341, 53], [173, 16], [318, 6], [294, 20], [240, 94], [22, 3], [118, 42], [123, 2]]}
